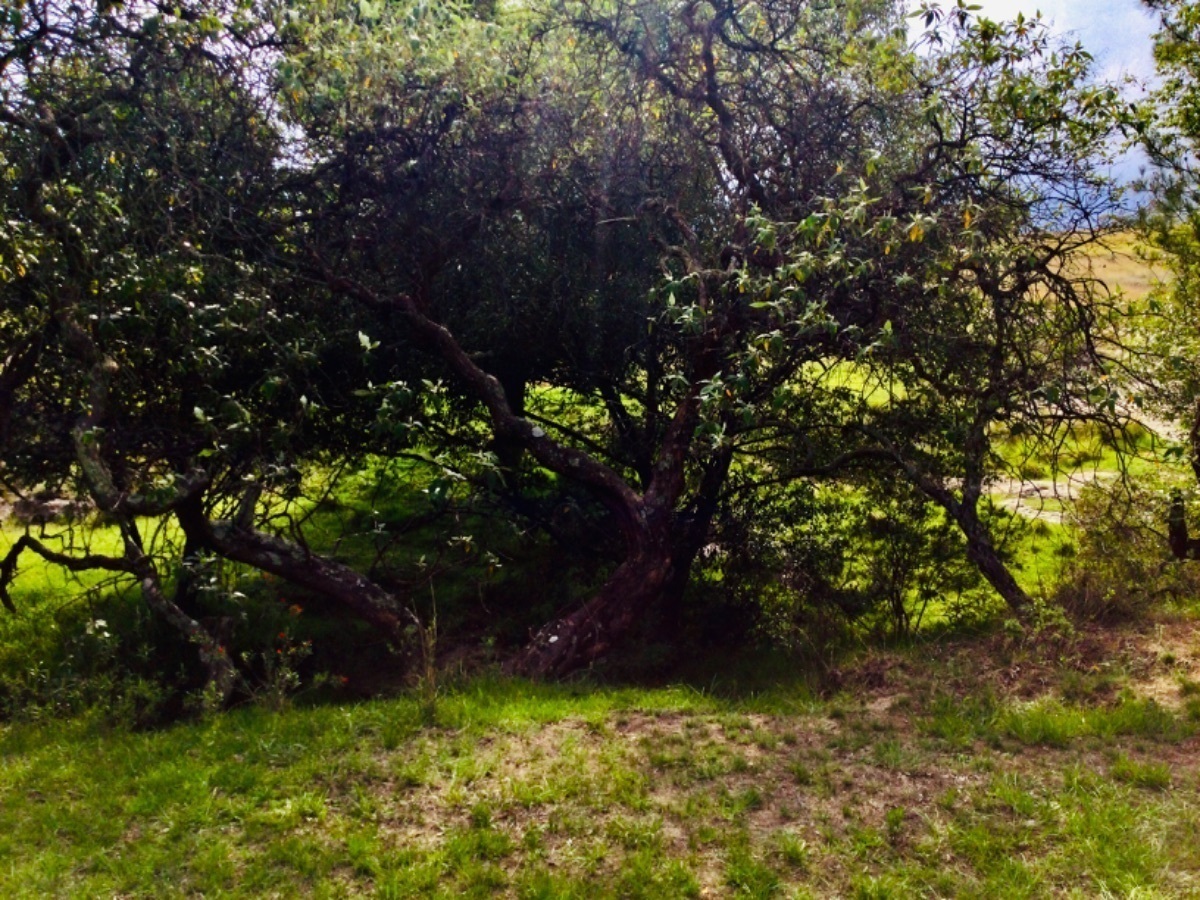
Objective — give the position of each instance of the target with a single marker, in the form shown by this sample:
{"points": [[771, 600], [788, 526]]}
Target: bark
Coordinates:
{"points": [[1182, 545], [581, 637], [649, 527], [86, 563], [982, 552], [693, 535], [1194, 440], [609, 486], [222, 676], [509, 451], [221, 673], [185, 580], [980, 549], [109, 497], [238, 542]]}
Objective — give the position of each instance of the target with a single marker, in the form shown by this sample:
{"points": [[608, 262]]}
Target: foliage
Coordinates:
{"points": [[811, 569], [696, 268], [1171, 222], [1122, 569]]}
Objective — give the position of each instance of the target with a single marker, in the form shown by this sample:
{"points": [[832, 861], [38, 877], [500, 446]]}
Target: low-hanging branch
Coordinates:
{"points": [[237, 540], [86, 563]]}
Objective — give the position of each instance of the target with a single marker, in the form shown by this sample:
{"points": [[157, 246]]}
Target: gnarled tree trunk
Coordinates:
{"points": [[1182, 545], [980, 549], [646, 519], [982, 552], [588, 633]]}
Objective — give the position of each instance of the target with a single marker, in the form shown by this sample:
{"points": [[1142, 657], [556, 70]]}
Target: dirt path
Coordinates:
{"points": [[1042, 498]]}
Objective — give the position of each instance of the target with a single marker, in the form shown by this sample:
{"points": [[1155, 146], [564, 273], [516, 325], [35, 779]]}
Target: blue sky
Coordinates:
{"points": [[1117, 32]]}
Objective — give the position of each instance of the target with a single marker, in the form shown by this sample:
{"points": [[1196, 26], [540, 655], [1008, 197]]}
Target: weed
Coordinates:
{"points": [[1192, 708], [889, 754], [427, 685], [962, 721], [792, 849], [1080, 687], [1054, 724], [749, 876], [801, 773], [280, 665], [1150, 775]]}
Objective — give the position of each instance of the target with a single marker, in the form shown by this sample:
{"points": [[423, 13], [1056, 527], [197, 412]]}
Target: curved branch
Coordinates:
{"points": [[235, 540], [87, 563]]}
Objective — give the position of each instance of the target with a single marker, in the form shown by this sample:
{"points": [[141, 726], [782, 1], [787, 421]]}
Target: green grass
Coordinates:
{"points": [[526, 790], [1051, 722]]}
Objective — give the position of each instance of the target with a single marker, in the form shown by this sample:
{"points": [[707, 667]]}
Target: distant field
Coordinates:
{"points": [[1126, 263]]}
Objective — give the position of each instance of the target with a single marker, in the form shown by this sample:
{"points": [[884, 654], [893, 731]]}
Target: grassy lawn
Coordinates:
{"points": [[982, 769]]}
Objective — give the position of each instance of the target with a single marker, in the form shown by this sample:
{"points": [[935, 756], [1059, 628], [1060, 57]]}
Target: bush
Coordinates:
{"points": [[812, 569], [1123, 567]]}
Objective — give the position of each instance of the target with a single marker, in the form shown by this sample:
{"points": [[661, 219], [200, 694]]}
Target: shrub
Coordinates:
{"points": [[1123, 567]]}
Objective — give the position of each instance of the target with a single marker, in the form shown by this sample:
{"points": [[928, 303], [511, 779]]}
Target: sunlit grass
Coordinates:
{"points": [[532, 790], [1124, 263]]}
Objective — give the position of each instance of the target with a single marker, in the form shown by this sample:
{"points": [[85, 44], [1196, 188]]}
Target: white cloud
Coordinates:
{"points": [[1119, 33]]}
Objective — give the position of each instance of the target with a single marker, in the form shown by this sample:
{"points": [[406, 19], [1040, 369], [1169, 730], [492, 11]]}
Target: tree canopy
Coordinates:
{"points": [[691, 260]]}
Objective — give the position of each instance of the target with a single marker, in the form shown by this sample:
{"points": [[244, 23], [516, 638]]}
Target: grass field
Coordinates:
{"points": [[988, 769], [1124, 263]]}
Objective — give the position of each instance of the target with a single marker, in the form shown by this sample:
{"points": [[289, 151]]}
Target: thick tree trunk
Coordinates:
{"points": [[1182, 545], [693, 534], [1194, 439], [982, 552], [510, 451], [585, 635], [980, 549], [222, 677]]}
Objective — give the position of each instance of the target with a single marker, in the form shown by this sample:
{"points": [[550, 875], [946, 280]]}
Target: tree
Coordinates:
{"points": [[152, 369], [843, 199], [747, 247], [1169, 135]]}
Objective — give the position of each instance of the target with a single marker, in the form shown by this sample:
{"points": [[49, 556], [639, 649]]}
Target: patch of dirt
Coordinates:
{"points": [[1173, 668], [859, 777], [1044, 499]]}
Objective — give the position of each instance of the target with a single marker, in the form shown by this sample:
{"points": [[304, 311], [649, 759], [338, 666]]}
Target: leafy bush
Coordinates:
{"points": [[1123, 567], [104, 655], [812, 568]]}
